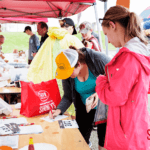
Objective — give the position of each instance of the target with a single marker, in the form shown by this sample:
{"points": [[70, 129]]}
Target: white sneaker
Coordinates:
{"points": [[90, 144]]}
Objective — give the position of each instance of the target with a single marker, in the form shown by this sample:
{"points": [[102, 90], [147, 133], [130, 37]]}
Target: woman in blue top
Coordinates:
{"points": [[79, 70]]}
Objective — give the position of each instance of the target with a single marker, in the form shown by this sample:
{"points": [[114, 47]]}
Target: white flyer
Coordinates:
{"points": [[33, 129], [13, 120], [11, 141], [68, 124], [59, 117]]}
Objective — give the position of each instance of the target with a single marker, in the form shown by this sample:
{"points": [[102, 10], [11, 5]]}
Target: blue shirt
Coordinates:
{"points": [[87, 88], [34, 43]]}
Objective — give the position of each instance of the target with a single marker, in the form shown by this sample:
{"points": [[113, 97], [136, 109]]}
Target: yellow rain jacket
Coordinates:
{"points": [[43, 66]]}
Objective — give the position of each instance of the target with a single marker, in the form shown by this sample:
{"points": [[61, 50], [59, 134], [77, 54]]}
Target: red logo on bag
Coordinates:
{"points": [[43, 95]]}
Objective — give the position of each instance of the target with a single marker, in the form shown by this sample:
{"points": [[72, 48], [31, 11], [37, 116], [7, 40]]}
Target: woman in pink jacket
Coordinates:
{"points": [[125, 86]]}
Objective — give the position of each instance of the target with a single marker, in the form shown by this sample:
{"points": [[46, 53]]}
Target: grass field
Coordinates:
{"points": [[20, 41]]}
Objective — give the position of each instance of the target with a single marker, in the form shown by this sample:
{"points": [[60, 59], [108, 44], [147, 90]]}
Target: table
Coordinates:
{"points": [[9, 90], [13, 56], [63, 139]]}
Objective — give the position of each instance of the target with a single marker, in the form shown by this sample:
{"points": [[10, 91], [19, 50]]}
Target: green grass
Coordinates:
{"points": [[20, 41], [15, 40]]}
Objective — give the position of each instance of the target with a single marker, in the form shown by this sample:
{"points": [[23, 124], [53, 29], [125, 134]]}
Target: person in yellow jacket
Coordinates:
{"points": [[43, 66]]}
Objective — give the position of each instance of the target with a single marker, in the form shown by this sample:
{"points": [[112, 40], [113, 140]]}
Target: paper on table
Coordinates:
{"points": [[4, 78], [10, 85], [11, 141], [3, 83], [68, 124], [13, 120], [34, 129], [59, 117], [4, 130]]}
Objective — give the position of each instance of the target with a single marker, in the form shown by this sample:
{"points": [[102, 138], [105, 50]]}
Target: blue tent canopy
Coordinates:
{"points": [[146, 25]]}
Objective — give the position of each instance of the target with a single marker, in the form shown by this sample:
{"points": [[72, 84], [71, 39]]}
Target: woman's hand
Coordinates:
{"points": [[95, 102], [54, 113]]}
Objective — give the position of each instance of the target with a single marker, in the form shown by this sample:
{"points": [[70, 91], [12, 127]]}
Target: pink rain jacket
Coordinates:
{"points": [[124, 89]]}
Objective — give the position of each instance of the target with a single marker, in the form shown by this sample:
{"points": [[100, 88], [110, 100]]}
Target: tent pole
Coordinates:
{"points": [[106, 39], [97, 21]]}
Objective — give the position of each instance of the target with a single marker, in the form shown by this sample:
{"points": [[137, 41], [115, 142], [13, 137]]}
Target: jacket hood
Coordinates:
{"points": [[138, 50], [57, 33], [135, 45]]}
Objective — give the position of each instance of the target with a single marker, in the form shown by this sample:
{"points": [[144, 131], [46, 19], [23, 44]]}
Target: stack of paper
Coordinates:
{"points": [[33, 129]]}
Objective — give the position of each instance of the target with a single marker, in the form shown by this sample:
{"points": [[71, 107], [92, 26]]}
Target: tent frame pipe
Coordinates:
{"points": [[97, 22], [106, 39], [52, 9]]}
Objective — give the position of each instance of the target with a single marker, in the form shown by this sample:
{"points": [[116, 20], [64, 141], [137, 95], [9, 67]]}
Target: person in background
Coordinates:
{"points": [[86, 32], [0, 28], [34, 43], [69, 25], [1, 95], [78, 69], [87, 44], [42, 29], [95, 35], [2, 39], [125, 85]]}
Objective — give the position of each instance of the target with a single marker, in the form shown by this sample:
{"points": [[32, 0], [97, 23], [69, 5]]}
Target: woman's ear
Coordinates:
{"points": [[112, 24], [79, 64]]}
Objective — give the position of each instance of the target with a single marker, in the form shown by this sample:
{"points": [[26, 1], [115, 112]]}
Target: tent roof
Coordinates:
{"points": [[45, 8], [85, 1], [22, 20]]}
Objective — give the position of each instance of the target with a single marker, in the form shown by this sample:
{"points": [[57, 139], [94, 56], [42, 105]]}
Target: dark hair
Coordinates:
{"points": [[84, 41], [27, 28], [129, 20], [1, 36], [43, 25], [81, 58]]}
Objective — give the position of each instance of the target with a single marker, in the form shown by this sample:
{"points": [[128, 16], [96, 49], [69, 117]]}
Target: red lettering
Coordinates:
{"points": [[148, 132]]}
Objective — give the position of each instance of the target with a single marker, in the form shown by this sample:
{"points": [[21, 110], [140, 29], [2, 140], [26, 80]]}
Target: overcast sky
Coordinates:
{"points": [[136, 6]]}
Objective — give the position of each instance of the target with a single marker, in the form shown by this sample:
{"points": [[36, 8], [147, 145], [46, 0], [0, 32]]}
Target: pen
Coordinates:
{"points": [[26, 124], [8, 117], [52, 114]]}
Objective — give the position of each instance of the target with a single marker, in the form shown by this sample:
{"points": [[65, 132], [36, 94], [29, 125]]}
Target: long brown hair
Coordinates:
{"points": [[81, 58], [129, 20]]}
